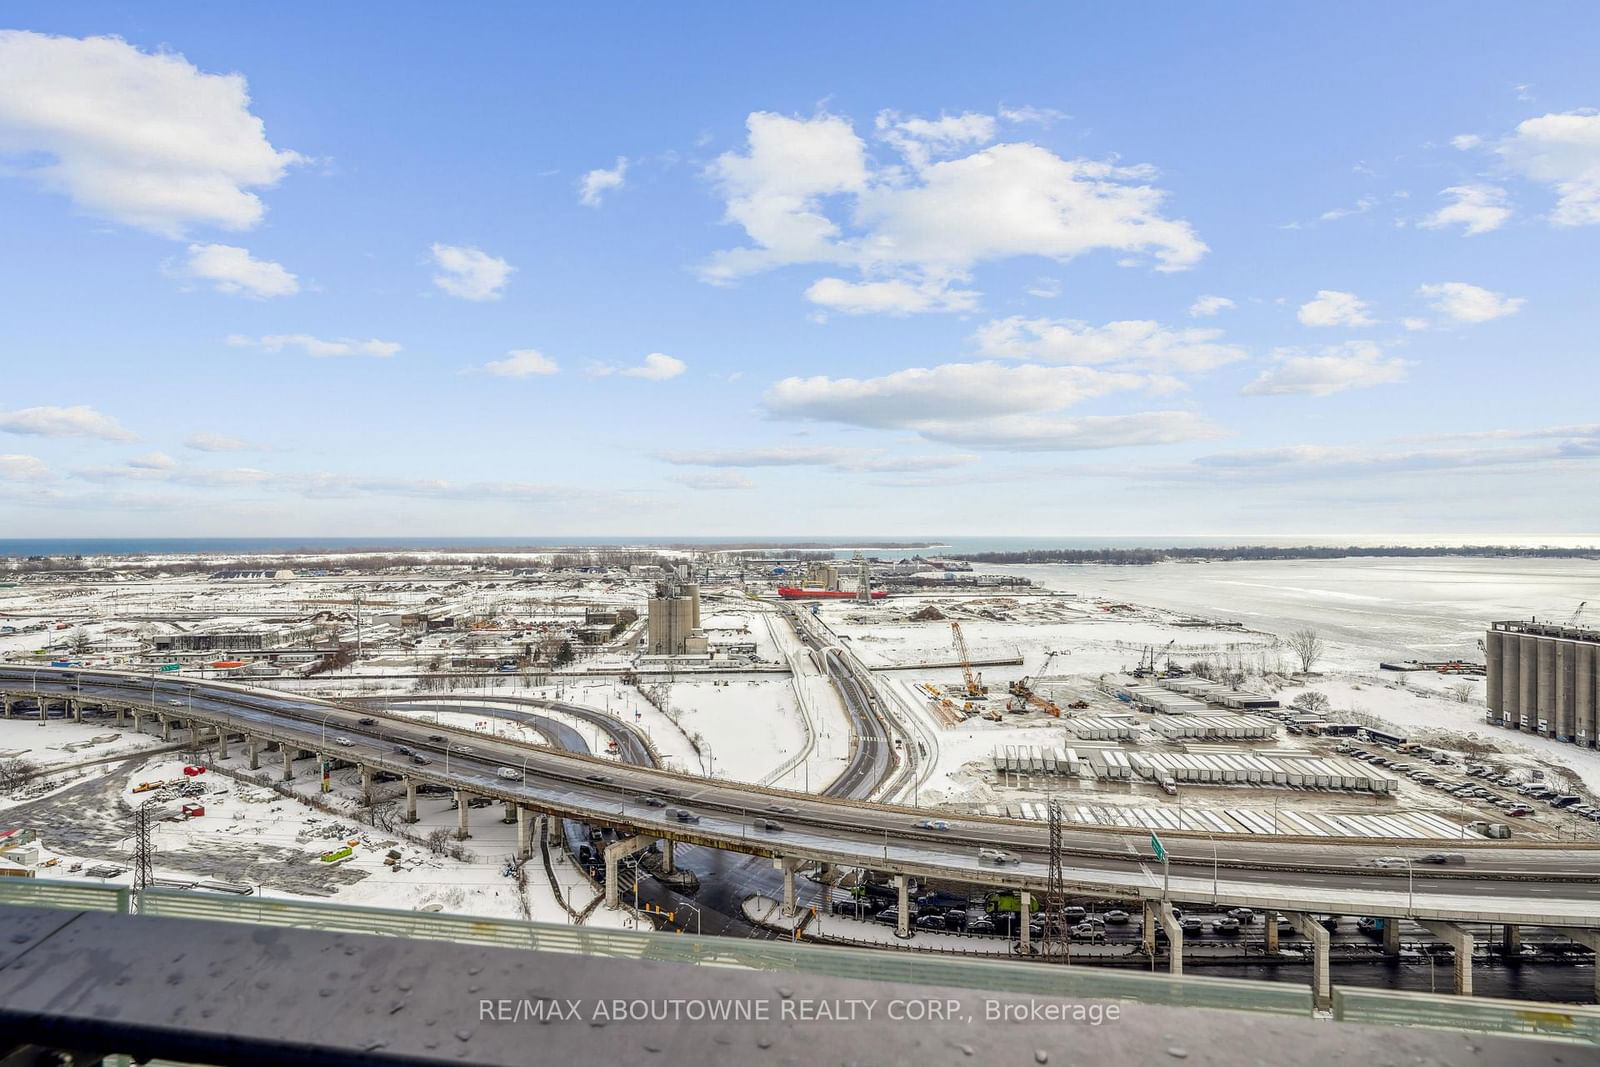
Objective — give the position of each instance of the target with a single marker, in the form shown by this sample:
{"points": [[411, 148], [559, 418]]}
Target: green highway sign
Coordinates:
{"points": [[170, 667], [1155, 843]]}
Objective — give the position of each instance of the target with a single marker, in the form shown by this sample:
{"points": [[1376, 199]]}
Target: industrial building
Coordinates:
{"points": [[1544, 678], [673, 627]]}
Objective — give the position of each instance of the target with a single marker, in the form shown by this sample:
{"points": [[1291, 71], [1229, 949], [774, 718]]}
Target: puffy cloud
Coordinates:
{"points": [[233, 270], [153, 461], [1334, 308], [1328, 370], [656, 367], [890, 297], [593, 186], [523, 363], [470, 273], [15, 467], [1476, 208], [842, 459], [316, 346], [216, 442], [77, 421], [1469, 303], [805, 191], [1465, 141], [1210, 305], [1134, 344], [145, 139], [1561, 150]]}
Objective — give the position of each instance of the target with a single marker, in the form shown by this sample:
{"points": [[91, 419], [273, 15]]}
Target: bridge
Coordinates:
{"points": [[1556, 886]]}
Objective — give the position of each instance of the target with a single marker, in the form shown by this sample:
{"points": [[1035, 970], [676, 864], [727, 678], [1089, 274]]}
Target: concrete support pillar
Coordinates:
{"points": [[787, 866], [254, 746], [5, 706], [366, 784], [1271, 932], [524, 833], [552, 829], [1321, 941], [511, 812], [463, 805], [138, 722], [1512, 945], [1460, 940], [288, 764], [668, 860], [1025, 898], [1148, 930], [1169, 923], [614, 854], [76, 707], [1391, 936], [166, 728], [42, 702], [903, 923], [411, 800], [222, 743], [121, 713]]}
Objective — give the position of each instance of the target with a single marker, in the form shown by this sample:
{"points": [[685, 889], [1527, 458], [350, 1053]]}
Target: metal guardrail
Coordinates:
{"points": [[1572, 1023]]}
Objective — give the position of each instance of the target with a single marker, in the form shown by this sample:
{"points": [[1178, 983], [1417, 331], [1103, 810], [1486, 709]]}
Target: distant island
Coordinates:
{"points": [[1145, 556]]}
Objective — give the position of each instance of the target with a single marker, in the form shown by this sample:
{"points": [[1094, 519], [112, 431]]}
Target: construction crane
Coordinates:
{"points": [[1577, 615], [975, 686], [1023, 689]]}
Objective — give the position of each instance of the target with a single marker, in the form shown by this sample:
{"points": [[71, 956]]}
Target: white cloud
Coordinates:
{"points": [[15, 467], [1415, 324], [233, 270], [1210, 305], [1058, 433], [842, 459], [1334, 308], [77, 421], [142, 138], [216, 442], [593, 186], [656, 367], [1477, 208], [1360, 207], [1562, 150], [891, 297], [1469, 303], [1465, 141], [1133, 345], [1328, 370], [153, 461], [715, 480], [1043, 116], [805, 192], [316, 346], [1045, 288], [470, 273], [523, 363]]}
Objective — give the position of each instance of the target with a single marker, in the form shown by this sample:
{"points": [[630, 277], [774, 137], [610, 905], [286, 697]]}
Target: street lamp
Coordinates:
{"points": [[696, 910]]}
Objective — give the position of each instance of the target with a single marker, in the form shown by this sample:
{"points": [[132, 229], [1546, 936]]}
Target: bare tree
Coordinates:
{"points": [[1462, 691], [1311, 702], [16, 771], [1308, 648]]}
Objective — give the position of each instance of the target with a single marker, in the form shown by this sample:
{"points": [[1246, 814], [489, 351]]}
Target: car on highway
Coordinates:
{"points": [[1444, 857], [654, 802], [343, 741], [1117, 917], [1244, 915], [1074, 914], [508, 774], [599, 779], [931, 824], [403, 750], [682, 815], [930, 922], [176, 703], [366, 722], [782, 809], [980, 926], [435, 737], [1389, 861], [769, 826], [1226, 925], [997, 856], [420, 760], [1191, 925]]}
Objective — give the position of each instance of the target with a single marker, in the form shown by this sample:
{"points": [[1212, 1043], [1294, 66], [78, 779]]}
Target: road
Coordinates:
{"points": [[1553, 887]]}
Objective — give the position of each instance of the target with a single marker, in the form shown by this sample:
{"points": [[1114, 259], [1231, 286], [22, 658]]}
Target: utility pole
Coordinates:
{"points": [[1056, 939]]}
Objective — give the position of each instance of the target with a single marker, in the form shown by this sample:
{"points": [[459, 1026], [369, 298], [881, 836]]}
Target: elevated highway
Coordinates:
{"points": [[1553, 886]]}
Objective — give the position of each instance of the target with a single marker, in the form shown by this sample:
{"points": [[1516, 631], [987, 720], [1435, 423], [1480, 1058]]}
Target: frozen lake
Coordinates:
{"points": [[1368, 609]]}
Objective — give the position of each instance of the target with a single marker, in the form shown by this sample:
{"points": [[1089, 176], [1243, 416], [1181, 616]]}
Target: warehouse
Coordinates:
{"points": [[1544, 679]]}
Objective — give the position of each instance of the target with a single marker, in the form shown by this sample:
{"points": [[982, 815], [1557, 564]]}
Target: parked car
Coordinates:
{"points": [[981, 926], [930, 922]]}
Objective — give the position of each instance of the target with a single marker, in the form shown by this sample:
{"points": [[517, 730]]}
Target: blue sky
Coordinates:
{"points": [[706, 269]]}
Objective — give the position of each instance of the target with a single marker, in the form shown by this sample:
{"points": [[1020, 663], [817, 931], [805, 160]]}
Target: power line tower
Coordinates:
{"points": [[1056, 938], [143, 849]]}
